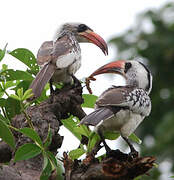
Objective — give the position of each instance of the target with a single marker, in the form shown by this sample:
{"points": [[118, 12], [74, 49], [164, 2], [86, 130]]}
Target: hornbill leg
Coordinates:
{"points": [[133, 152], [76, 82], [108, 149], [51, 91], [51, 87]]}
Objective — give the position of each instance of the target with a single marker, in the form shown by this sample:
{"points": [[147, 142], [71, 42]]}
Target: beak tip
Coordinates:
{"points": [[105, 51]]}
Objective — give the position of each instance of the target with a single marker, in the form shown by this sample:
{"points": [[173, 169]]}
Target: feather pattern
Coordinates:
{"points": [[119, 109], [42, 79], [56, 59]]}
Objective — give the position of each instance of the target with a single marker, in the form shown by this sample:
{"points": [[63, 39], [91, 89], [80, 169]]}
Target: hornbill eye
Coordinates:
{"points": [[127, 67], [82, 28]]}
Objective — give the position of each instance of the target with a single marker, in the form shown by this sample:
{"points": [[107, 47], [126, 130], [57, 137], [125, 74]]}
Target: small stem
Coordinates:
{"points": [[28, 120], [12, 127], [26, 116], [3, 88], [6, 93], [5, 114]]}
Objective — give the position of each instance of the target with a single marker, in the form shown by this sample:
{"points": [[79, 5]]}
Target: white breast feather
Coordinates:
{"points": [[128, 128], [65, 60]]}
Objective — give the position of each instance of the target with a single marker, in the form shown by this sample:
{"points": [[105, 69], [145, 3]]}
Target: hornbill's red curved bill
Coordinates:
{"points": [[122, 108], [61, 58]]}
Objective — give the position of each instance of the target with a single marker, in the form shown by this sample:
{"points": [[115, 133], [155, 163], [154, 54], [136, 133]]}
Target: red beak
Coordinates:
{"points": [[113, 67], [96, 39], [116, 67]]}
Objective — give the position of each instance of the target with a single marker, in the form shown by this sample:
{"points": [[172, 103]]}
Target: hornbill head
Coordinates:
{"points": [[135, 73], [82, 33]]}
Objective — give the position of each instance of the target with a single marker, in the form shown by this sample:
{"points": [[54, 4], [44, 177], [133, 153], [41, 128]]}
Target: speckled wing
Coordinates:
{"points": [[60, 53], [44, 53], [114, 96], [107, 105], [118, 98], [136, 100]]}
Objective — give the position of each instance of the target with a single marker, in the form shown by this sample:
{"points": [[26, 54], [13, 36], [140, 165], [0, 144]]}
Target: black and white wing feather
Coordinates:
{"points": [[115, 99]]}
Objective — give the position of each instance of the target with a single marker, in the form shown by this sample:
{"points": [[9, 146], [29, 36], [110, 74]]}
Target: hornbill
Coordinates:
{"points": [[122, 108], [61, 58]]}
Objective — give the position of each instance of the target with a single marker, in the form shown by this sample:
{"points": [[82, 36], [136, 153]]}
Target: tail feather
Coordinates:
{"points": [[42, 79], [96, 116]]}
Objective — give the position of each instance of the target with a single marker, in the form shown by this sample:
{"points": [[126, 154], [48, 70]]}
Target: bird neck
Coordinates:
{"points": [[65, 33]]}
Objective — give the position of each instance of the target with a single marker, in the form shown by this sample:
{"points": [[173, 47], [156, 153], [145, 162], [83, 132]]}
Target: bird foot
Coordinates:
{"points": [[133, 154], [76, 82], [52, 94], [117, 154], [51, 99]]}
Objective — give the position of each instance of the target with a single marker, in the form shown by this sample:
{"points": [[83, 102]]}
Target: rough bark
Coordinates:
{"points": [[61, 105], [115, 166]]}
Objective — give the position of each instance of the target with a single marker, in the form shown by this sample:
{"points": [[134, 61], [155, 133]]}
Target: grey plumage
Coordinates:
{"points": [[96, 116], [61, 58], [132, 100], [123, 108], [42, 79]]}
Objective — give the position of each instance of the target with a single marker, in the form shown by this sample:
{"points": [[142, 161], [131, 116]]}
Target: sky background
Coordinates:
{"points": [[26, 24]]}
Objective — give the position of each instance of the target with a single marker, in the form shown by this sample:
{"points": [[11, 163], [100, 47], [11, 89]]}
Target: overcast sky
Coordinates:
{"points": [[27, 23]]}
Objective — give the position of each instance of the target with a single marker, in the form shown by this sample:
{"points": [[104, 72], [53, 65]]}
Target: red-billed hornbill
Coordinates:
{"points": [[61, 58], [122, 108]]}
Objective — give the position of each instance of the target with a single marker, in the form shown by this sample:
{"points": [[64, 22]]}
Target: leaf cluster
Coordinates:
{"points": [[14, 93]]}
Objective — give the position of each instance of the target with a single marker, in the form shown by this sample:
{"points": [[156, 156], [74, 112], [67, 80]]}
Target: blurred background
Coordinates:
{"points": [[134, 29], [152, 39]]}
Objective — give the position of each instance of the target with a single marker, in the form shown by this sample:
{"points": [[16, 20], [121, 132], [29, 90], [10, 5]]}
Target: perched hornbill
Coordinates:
{"points": [[122, 108], [61, 58]]}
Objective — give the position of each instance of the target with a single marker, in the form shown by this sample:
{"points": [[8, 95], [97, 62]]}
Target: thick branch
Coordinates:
{"points": [[119, 166], [61, 105]]}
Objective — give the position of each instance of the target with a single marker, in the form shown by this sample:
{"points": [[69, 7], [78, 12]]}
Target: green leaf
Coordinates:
{"points": [[9, 84], [70, 124], [14, 96], [89, 100], [4, 67], [20, 93], [60, 172], [138, 178], [4, 119], [2, 102], [2, 52], [94, 138], [22, 84], [31, 134], [1, 90], [1, 94], [27, 151], [26, 57], [12, 107], [134, 138], [76, 153], [11, 75], [83, 130], [52, 158], [27, 94], [47, 168], [6, 135], [56, 165], [171, 176], [111, 135], [48, 139]]}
